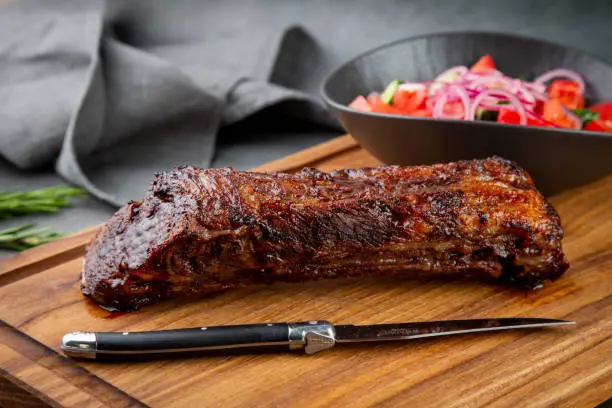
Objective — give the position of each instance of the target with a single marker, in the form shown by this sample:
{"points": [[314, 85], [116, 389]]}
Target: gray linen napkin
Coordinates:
{"points": [[105, 110], [111, 93]]}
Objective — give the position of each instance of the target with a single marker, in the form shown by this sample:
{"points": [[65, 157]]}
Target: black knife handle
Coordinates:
{"points": [[194, 339], [311, 336]]}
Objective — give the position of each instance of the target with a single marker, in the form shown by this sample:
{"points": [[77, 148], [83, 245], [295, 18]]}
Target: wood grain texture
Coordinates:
{"points": [[13, 394], [48, 378], [312, 155], [564, 367], [31, 261]]}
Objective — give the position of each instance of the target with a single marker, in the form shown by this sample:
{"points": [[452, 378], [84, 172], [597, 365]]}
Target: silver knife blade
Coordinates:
{"points": [[416, 330]]}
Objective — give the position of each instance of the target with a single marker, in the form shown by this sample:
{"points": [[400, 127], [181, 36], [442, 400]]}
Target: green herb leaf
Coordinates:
{"points": [[44, 200], [503, 102], [586, 115], [24, 237], [522, 77], [389, 92]]}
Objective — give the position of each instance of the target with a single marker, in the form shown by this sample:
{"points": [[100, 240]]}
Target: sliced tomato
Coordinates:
{"points": [[553, 111], [410, 97], [604, 109], [539, 106], [607, 125], [509, 116], [454, 110], [595, 126], [599, 125], [425, 113], [379, 106], [360, 103], [531, 121], [485, 63], [373, 98], [568, 92]]}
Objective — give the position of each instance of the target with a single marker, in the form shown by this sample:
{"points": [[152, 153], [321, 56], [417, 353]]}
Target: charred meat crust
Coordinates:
{"points": [[202, 231]]}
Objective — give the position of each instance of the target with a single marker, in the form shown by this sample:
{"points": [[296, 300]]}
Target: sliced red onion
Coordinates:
{"points": [[436, 88], [491, 81], [412, 86], [462, 94], [430, 103], [490, 107], [514, 102], [471, 75], [432, 83], [438, 110], [445, 89], [565, 73], [575, 118], [493, 100], [516, 85], [527, 96], [541, 118], [539, 92], [474, 92], [541, 88], [457, 70]]}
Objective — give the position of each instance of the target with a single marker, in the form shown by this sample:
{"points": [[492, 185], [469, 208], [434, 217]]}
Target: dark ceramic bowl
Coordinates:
{"points": [[557, 159]]}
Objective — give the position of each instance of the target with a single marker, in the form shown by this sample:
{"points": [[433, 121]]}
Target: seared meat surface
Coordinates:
{"points": [[202, 231]]}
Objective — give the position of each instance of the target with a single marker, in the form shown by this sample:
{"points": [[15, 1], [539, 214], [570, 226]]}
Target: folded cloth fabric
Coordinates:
{"points": [[112, 91], [74, 94]]}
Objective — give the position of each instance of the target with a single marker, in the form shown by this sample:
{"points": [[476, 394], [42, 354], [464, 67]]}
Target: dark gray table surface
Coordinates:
{"points": [[579, 24]]}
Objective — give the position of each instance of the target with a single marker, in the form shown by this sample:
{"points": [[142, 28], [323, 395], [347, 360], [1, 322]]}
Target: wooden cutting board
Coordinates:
{"points": [[567, 367]]}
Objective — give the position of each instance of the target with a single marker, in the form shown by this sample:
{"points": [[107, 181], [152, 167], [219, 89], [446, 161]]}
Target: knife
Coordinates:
{"points": [[309, 337]]}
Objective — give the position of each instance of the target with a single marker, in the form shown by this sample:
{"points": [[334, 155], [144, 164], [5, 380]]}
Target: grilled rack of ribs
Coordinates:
{"points": [[202, 231]]}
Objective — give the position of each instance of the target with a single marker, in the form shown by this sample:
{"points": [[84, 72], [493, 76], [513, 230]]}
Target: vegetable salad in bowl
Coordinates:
{"points": [[481, 92]]}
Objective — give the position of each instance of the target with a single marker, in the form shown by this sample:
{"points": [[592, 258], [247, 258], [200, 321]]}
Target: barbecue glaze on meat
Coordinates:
{"points": [[202, 231]]}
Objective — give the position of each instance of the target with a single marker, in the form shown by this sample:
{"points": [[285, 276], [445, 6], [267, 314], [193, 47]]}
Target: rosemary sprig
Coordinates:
{"points": [[44, 200], [23, 237]]}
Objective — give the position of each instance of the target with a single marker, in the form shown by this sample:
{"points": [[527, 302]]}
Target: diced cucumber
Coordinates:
{"points": [[486, 115], [389, 92]]}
